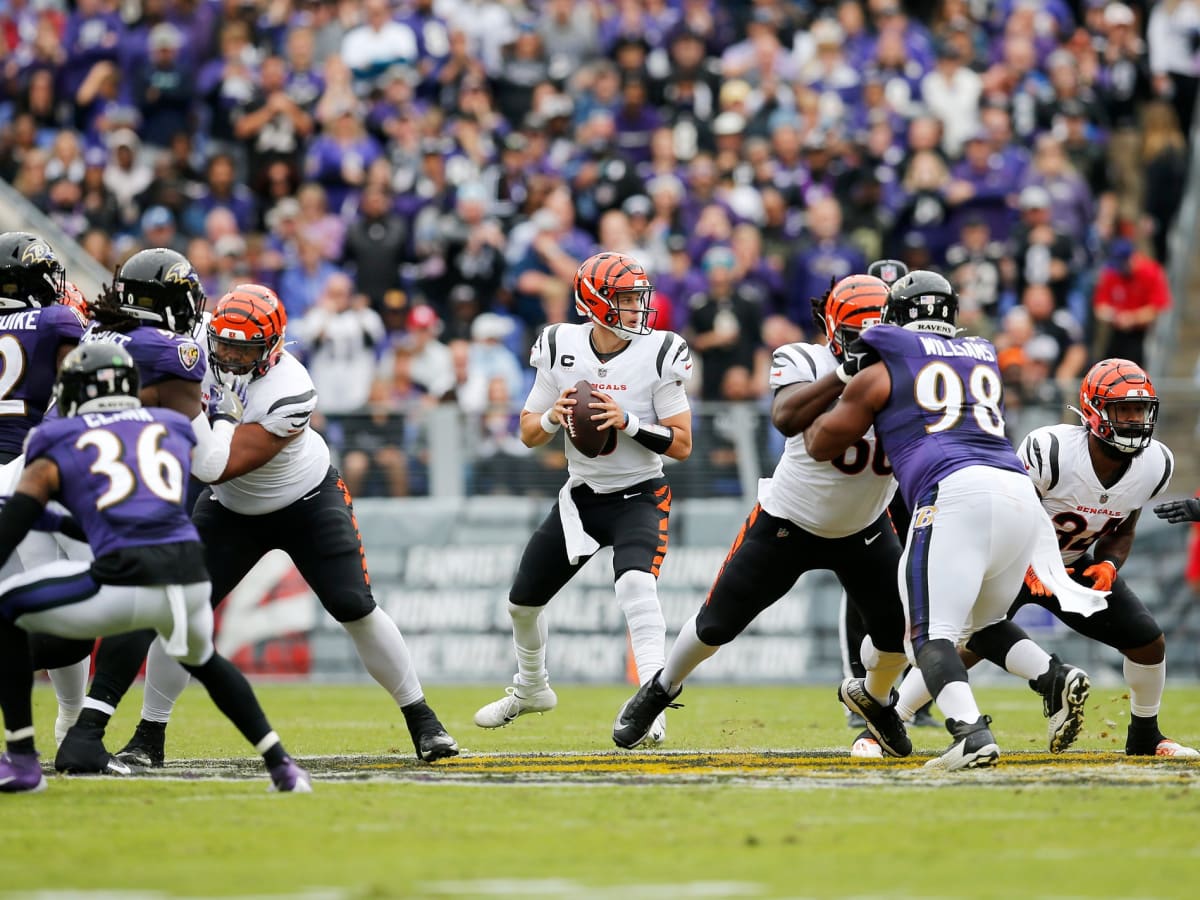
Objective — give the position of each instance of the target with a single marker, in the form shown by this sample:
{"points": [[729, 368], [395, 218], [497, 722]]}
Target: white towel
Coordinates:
{"points": [[580, 544], [177, 644], [1048, 566]]}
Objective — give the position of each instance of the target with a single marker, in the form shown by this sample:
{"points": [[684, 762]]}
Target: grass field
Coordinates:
{"points": [[772, 807]]}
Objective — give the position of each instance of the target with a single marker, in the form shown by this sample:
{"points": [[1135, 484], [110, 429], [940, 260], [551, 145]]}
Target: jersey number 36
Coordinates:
{"points": [[159, 470]]}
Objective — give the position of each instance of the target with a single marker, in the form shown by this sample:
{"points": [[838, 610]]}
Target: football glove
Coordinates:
{"points": [[1036, 588], [858, 356], [1179, 510], [1103, 574], [226, 404]]}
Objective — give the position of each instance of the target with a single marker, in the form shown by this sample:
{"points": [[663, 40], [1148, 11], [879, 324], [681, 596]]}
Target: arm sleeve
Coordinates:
{"points": [[211, 453]]}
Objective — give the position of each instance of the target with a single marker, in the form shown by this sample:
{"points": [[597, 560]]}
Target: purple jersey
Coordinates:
{"points": [[29, 343], [955, 417], [158, 353], [122, 475]]}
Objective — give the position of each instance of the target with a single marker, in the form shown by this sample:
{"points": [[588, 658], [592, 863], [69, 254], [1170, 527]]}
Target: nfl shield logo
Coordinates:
{"points": [[888, 273], [189, 355], [1104, 498], [601, 372]]}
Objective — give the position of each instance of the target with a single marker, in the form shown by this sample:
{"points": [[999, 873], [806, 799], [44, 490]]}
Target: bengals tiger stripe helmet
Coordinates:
{"points": [[245, 334], [1119, 384], [853, 304], [606, 284]]}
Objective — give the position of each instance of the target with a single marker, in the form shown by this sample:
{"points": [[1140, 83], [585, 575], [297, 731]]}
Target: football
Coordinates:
{"points": [[582, 431]]}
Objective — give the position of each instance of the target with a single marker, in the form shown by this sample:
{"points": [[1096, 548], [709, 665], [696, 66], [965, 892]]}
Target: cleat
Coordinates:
{"points": [[517, 701], [289, 778], [924, 718], [145, 749], [82, 752], [973, 747], [882, 721], [855, 721], [658, 731], [1062, 703], [866, 747], [429, 736], [1164, 747], [641, 714], [21, 773]]}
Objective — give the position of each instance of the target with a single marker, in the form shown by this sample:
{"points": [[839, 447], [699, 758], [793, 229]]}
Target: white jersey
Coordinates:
{"points": [[830, 499], [282, 401], [1081, 508], [646, 379]]}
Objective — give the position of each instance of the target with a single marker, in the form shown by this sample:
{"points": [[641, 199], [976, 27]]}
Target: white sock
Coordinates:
{"points": [[957, 702], [382, 649], [883, 668], [530, 632], [70, 687], [1145, 687], [637, 593], [687, 653], [1027, 660], [165, 682], [913, 694]]}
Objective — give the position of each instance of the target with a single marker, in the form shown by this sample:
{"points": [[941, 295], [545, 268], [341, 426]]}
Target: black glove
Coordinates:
{"points": [[1179, 510], [855, 358], [818, 306]]}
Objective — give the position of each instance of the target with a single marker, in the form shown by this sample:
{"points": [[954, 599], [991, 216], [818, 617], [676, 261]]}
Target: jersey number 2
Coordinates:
{"points": [[160, 472], [12, 359]]}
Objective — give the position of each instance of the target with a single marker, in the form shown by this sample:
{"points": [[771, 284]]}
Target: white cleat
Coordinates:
{"points": [[866, 747], [517, 701], [1168, 747]]}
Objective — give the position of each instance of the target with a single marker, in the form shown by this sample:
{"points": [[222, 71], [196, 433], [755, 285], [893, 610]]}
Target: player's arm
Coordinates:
{"points": [[867, 393], [672, 436], [796, 406], [538, 427], [174, 393], [1110, 552], [1178, 511], [38, 483], [252, 447]]}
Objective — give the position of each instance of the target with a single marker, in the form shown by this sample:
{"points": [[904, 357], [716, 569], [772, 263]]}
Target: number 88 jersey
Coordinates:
{"points": [[830, 499], [1081, 508]]}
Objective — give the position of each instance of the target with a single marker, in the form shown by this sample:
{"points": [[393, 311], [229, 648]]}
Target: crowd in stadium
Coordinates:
{"points": [[420, 179]]}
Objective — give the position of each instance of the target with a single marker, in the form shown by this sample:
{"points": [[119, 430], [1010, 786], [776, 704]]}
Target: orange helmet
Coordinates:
{"points": [[1114, 383], [245, 334], [853, 304], [604, 287]]}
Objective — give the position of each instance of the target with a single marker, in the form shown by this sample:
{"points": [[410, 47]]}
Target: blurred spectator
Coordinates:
{"points": [[431, 365], [378, 44], [165, 89], [1071, 208], [544, 272], [316, 223], [158, 230], [824, 255], [726, 332], [222, 190], [472, 247], [952, 91], [304, 281], [1082, 143], [1173, 33], [382, 443], [492, 359], [974, 267], [376, 245], [1131, 294], [1124, 83], [271, 123], [1165, 161], [339, 334], [1041, 255], [1071, 354], [126, 175]]}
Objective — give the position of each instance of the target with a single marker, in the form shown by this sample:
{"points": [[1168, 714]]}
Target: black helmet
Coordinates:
{"points": [[889, 271], [30, 273], [97, 377], [922, 296], [159, 287]]}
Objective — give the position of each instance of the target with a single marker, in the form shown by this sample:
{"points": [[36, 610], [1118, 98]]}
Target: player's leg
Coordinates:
{"points": [[543, 571], [20, 770], [766, 558], [322, 537], [233, 544], [1126, 625], [640, 533], [851, 632], [945, 560], [866, 564]]}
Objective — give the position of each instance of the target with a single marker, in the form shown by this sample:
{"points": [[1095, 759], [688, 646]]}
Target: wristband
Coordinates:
{"points": [[657, 438], [632, 424], [549, 425]]}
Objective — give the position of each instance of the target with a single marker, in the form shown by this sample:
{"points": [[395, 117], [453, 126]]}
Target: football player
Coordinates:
{"points": [[272, 487], [1093, 480], [809, 515], [152, 309], [41, 321], [620, 498], [936, 404], [120, 470]]}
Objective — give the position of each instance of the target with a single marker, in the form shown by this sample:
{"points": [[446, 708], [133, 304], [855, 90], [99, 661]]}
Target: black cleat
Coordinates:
{"points": [[429, 737], [636, 718], [82, 752], [974, 746], [1064, 691], [146, 749], [882, 721]]}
